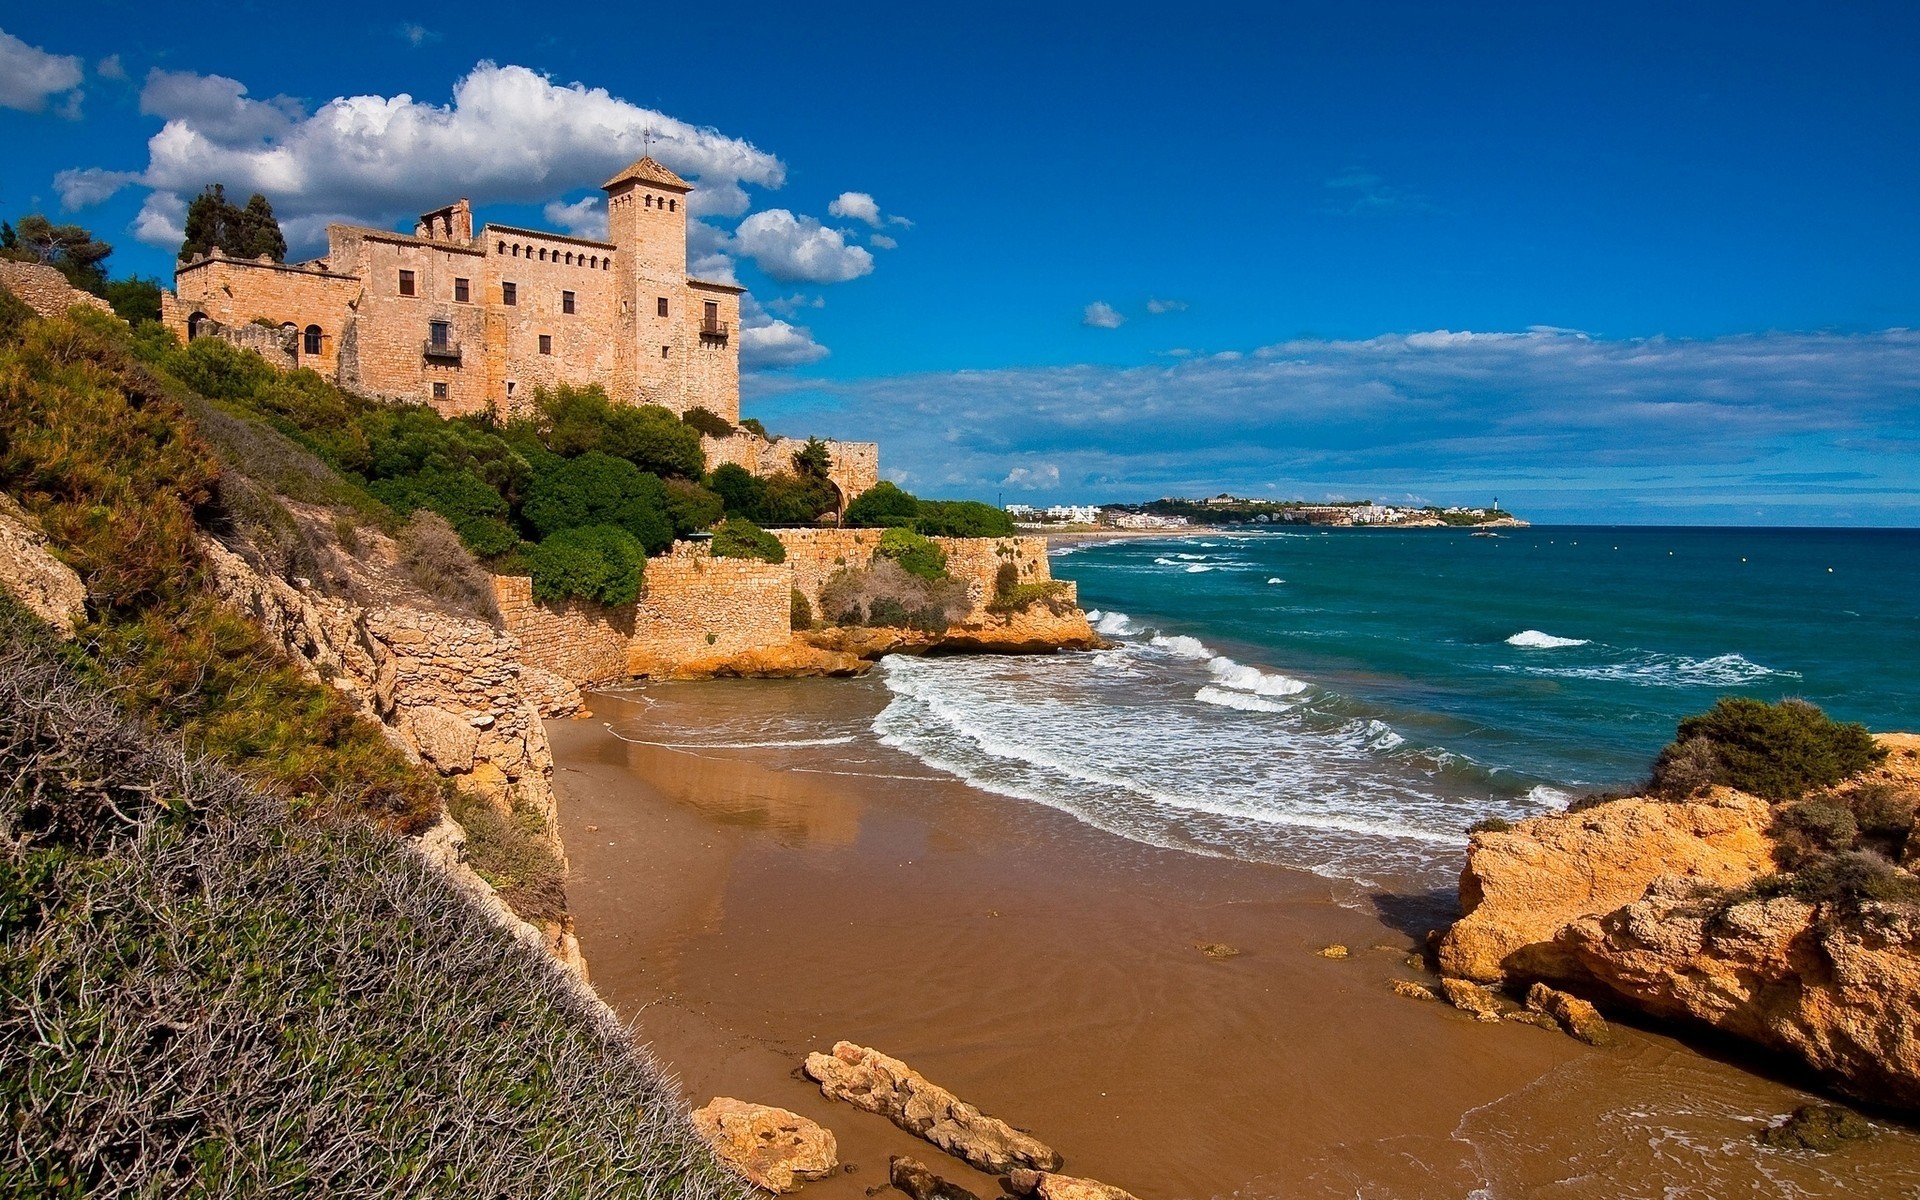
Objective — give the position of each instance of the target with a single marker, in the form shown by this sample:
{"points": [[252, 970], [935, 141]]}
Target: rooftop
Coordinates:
{"points": [[648, 170]]}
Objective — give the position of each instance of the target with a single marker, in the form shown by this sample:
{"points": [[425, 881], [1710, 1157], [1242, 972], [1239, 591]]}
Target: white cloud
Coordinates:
{"points": [[417, 35], [1101, 315], [786, 306], [768, 344], [1035, 478], [162, 220], [29, 77], [585, 217], [856, 206], [882, 241], [110, 67], [1565, 425], [1156, 306], [799, 249], [81, 189], [510, 135], [707, 253]]}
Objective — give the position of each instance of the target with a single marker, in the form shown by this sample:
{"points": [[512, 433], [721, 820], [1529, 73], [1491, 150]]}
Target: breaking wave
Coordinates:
{"points": [[1533, 639]]}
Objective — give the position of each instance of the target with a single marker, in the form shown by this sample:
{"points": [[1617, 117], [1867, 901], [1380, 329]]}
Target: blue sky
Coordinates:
{"points": [[1079, 252]]}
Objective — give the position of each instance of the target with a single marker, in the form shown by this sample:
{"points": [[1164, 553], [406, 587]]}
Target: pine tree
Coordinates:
{"points": [[212, 220], [69, 249]]}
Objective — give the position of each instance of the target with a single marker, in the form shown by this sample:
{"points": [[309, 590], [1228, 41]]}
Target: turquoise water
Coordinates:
{"points": [[1349, 700]]}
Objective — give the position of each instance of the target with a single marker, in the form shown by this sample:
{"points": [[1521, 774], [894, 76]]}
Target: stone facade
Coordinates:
{"points": [[813, 555], [697, 606], [856, 465], [474, 323], [45, 290]]}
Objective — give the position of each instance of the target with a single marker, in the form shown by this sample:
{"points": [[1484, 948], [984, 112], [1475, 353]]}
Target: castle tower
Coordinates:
{"points": [[647, 223]]}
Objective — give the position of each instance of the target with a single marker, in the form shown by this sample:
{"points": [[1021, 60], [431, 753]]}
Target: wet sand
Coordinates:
{"points": [[749, 904]]}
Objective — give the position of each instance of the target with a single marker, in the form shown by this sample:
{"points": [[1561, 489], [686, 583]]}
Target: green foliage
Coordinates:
{"points": [[602, 563], [513, 853], [1490, 825], [578, 420], [240, 232], [741, 492], [692, 506], [68, 249], [915, 554], [1811, 829], [739, 538], [598, 489], [475, 510], [1846, 881], [752, 425], [796, 499], [881, 506], [962, 518], [134, 299], [1775, 751], [813, 460], [887, 595], [705, 420], [210, 996], [800, 612]]}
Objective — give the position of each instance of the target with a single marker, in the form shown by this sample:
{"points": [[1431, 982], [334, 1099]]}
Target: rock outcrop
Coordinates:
{"points": [[917, 1180], [868, 1079], [49, 588], [1523, 885], [1648, 905], [769, 1147], [1049, 1186]]}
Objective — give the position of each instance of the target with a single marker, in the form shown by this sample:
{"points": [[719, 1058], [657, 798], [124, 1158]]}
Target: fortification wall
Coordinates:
{"points": [[233, 291], [813, 555], [574, 639], [696, 606], [45, 290], [856, 465]]}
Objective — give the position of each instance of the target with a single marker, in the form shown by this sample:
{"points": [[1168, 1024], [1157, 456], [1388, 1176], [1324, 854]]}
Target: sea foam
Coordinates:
{"points": [[1181, 646], [1244, 701], [1229, 673], [1533, 639]]}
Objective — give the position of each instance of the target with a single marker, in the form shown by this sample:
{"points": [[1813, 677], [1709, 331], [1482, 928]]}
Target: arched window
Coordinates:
{"points": [[673, 206], [196, 325], [503, 247], [310, 344], [593, 262]]}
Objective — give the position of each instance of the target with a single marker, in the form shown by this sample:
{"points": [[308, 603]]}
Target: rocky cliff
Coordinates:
{"points": [[1673, 909]]}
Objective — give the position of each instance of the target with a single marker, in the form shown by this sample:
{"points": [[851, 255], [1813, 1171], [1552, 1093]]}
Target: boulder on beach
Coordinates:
{"points": [[1049, 1186], [1579, 1018], [1472, 999], [868, 1079], [916, 1179], [769, 1147]]}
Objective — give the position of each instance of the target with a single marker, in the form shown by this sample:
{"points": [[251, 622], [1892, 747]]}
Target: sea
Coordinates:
{"points": [[1350, 701]]}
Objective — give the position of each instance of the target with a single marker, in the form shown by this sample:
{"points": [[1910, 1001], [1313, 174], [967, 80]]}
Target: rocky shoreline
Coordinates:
{"points": [[1660, 908]]}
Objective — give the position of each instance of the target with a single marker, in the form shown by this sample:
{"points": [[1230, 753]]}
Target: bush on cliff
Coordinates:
{"points": [[597, 489], [1774, 751], [915, 554], [210, 996], [707, 422], [800, 613], [886, 505], [737, 538], [603, 563], [882, 506], [1010, 595]]}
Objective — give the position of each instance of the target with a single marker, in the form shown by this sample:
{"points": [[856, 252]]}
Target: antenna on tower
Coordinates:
{"points": [[647, 141]]}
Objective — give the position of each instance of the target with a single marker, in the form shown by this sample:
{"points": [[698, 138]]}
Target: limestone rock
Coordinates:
{"points": [[1521, 886], [1821, 1128], [446, 740], [49, 588], [1579, 1018], [868, 1079], [1334, 951], [769, 1147], [1472, 999], [1410, 990], [1218, 950], [1048, 1186], [916, 1179]]}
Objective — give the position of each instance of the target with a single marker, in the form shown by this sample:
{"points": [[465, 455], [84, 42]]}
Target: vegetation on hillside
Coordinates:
{"points": [[74, 252], [886, 505], [737, 537], [212, 996], [1774, 751]]}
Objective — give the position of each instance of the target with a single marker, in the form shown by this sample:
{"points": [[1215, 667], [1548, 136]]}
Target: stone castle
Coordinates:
{"points": [[474, 323]]}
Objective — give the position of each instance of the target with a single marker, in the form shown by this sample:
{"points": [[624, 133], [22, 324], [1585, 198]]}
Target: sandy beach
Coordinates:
{"points": [[747, 904]]}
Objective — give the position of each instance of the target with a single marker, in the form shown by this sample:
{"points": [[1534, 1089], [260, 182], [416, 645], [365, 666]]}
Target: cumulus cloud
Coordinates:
{"points": [[1101, 315], [856, 206], [1157, 306], [786, 306], [30, 77], [110, 67], [1034, 478], [509, 135], [417, 35], [585, 217], [1795, 426], [162, 220], [799, 249], [768, 344], [882, 241]]}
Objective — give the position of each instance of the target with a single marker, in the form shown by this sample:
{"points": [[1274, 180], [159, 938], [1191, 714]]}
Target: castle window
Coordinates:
{"points": [[439, 391], [660, 307], [663, 352], [546, 343], [509, 294], [503, 248], [516, 249], [649, 201], [310, 344], [593, 263], [460, 292], [673, 206], [566, 302], [406, 283], [543, 254], [569, 258], [439, 333]]}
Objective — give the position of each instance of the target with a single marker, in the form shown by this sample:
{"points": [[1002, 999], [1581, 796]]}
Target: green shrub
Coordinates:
{"points": [[885, 594], [598, 489], [1011, 596], [881, 506], [1811, 829], [474, 509], [1490, 825], [602, 563], [740, 491], [580, 420], [915, 554], [1775, 751], [796, 499], [962, 518], [737, 538], [800, 612], [753, 426], [692, 506], [1847, 880], [708, 422], [1684, 769]]}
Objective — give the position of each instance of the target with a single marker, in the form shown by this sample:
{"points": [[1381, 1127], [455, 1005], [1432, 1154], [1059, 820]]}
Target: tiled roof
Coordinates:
{"points": [[648, 170]]}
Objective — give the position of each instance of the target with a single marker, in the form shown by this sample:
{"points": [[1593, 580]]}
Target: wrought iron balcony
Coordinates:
{"points": [[714, 330], [442, 351]]}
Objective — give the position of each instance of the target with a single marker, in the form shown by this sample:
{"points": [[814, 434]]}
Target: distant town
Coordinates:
{"points": [[1174, 512]]}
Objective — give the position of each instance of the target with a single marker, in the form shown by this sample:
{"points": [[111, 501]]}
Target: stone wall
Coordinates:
{"points": [[234, 291], [574, 639], [813, 555], [856, 465], [45, 290], [696, 606]]}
